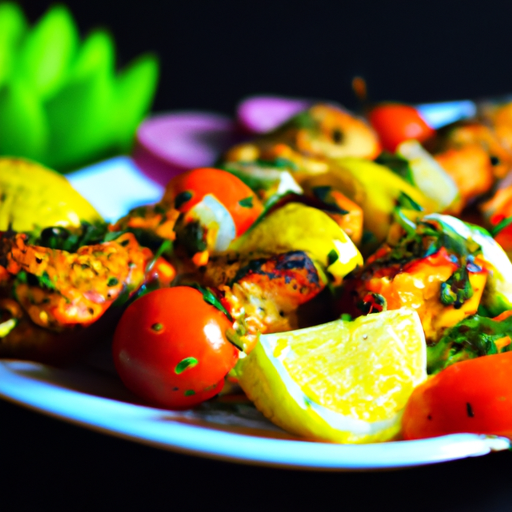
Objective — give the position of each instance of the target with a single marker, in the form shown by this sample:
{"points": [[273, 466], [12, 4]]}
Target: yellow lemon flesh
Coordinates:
{"points": [[345, 381], [33, 197], [375, 188]]}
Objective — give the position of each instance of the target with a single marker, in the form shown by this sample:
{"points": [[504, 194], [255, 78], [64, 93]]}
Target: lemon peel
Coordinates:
{"points": [[35, 197]]}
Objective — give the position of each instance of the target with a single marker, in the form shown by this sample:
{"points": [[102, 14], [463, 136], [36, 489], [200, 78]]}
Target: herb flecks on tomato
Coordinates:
{"points": [[171, 348], [471, 396], [188, 189]]}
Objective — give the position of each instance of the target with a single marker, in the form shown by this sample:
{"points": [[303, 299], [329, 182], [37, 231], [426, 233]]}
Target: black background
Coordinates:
{"points": [[212, 54]]}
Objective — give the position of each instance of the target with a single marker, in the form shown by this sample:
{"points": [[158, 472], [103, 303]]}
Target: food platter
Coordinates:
{"points": [[92, 396]]}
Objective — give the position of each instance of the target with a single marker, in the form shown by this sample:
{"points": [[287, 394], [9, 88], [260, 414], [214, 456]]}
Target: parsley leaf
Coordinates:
{"points": [[247, 202], [501, 226], [212, 299], [397, 164], [472, 337]]}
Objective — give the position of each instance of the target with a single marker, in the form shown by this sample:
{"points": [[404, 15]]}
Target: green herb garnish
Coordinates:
{"points": [[185, 364]]}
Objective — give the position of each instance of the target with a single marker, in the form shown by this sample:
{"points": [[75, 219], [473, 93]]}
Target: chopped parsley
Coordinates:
{"points": [[246, 202], [472, 337]]}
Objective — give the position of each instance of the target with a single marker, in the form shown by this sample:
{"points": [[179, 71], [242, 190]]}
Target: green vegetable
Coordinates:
{"points": [[211, 298], [48, 50], [133, 92], [184, 364], [80, 129], [62, 102], [398, 164], [456, 289], [497, 295], [472, 337], [23, 127], [12, 28]]}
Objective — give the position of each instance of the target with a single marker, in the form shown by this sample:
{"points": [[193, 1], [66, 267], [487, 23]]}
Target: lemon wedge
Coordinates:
{"points": [[296, 227], [344, 381], [375, 188], [430, 177], [33, 197]]}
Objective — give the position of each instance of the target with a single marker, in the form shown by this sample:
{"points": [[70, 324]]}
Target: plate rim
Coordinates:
{"points": [[146, 427]]}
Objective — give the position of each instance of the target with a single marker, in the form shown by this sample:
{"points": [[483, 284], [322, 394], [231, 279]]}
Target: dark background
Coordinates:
{"points": [[212, 54]]}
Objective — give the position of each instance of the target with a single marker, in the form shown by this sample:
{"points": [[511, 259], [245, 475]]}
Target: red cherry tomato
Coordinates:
{"points": [[170, 347], [187, 189], [396, 123], [471, 396]]}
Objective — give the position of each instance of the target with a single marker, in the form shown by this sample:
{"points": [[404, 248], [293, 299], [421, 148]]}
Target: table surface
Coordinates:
{"points": [[46, 460]]}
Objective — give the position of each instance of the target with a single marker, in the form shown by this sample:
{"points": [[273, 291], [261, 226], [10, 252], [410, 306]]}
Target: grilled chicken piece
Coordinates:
{"points": [[473, 149], [308, 140], [434, 270], [158, 219], [50, 295], [264, 293], [57, 288]]}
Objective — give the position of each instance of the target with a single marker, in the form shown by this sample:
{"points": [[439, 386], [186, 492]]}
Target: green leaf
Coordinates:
{"points": [[182, 198], [134, 90], [185, 364], [332, 257], [23, 125], [210, 298], [235, 339], [475, 336], [408, 203], [303, 120], [165, 247], [48, 51], [456, 289], [97, 54], [45, 282], [397, 164], [501, 226], [71, 240], [13, 26], [323, 194], [246, 202], [79, 118]]}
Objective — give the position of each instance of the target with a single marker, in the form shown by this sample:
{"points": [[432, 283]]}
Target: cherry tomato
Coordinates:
{"points": [[187, 189], [170, 347], [396, 123], [471, 396]]}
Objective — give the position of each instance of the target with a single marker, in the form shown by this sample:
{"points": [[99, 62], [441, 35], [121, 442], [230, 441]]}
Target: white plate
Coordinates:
{"points": [[94, 397], [97, 400]]}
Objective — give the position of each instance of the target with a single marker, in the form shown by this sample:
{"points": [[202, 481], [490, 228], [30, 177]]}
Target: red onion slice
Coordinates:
{"points": [[169, 144], [260, 114]]}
